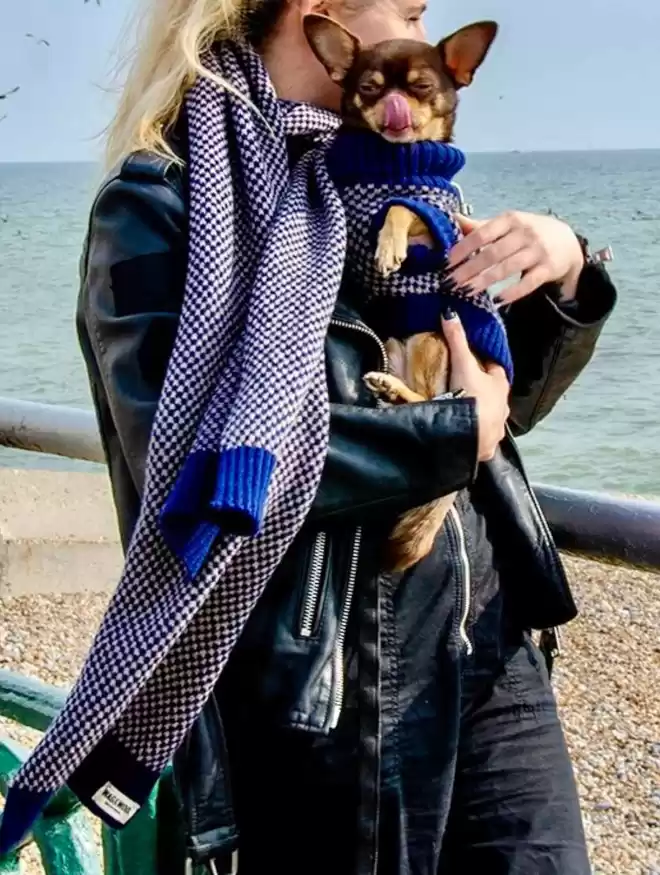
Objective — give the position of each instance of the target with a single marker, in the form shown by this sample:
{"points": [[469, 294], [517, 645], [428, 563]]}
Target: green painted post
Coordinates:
{"points": [[132, 850], [66, 845], [12, 757], [10, 865], [9, 764], [171, 838]]}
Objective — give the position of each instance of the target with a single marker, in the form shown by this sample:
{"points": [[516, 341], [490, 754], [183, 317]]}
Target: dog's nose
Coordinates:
{"points": [[396, 112]]}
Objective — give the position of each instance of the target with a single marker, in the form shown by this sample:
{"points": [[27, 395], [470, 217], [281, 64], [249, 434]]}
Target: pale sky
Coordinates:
{"points": [[564, 74]]}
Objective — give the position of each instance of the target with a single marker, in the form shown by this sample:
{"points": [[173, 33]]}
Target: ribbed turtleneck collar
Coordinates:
{"points": [[357, 156]]}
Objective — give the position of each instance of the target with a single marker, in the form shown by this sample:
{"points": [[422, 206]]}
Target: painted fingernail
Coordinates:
{"points": [[449, 314]]}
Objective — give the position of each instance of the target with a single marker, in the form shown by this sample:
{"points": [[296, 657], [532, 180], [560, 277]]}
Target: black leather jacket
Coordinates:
{"points": [[380, 461]]}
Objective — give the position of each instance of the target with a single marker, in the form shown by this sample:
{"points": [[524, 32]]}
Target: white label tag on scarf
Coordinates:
{"points": [[114, 803]]}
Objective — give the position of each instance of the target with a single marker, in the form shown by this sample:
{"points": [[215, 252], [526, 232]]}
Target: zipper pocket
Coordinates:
{"points": [[466, 579], [313, 588], [337, 698]]}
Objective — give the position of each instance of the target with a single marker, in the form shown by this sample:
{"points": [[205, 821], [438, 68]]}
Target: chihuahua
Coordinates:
{"points": [[404, 91]]}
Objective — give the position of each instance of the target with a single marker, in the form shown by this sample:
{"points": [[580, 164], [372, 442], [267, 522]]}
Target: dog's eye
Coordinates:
{"points": [[370, 88], [422, 88]]}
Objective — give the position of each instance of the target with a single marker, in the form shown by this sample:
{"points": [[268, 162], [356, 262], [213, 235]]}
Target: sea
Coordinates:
{"points": [[603, 435]]}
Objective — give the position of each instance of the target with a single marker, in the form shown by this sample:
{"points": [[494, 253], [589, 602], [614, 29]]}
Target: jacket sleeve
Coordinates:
{"points": [[388, 460], [133, 277], [552, 343]]}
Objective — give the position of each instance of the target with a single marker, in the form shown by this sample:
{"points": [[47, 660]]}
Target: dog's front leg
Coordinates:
{"points": [[391, 388], [399, 226]]}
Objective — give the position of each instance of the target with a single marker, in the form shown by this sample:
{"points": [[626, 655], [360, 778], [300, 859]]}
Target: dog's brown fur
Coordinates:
{"points": [[429, 78], [419, 370]]}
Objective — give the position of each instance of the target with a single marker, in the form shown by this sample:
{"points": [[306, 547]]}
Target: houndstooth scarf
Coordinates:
{"points": [[236, 452]]}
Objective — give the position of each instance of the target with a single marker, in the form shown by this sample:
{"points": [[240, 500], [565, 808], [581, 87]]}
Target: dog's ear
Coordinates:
{"points": [[334, 46], [464, 51]]}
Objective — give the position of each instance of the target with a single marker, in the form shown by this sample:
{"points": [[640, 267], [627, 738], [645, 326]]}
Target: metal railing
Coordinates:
{"points": [[608, 528], [50, 428], [597, 526]]}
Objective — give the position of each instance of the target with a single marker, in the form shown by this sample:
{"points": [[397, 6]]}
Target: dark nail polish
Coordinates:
{"points": [[449, 314]]}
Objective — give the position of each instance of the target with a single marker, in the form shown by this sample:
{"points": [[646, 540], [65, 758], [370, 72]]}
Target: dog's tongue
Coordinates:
{"points": [[397, 115]]}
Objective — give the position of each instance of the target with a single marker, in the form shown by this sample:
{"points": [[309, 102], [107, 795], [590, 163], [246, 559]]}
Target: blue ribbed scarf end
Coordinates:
{"points": [[215, 494]]}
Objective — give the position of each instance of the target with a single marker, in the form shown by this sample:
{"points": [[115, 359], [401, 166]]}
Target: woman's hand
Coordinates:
{"points": [[487, 384], [543, 249]]}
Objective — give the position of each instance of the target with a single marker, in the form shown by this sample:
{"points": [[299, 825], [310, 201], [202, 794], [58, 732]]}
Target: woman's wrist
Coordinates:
{"points": [[568, 286]]}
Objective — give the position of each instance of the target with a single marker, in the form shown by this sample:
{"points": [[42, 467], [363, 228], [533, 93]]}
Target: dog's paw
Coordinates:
{"points": [[391, 252], [385, 386]]}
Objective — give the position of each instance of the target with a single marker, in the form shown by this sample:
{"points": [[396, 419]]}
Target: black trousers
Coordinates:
{"points": [[514, 806], [474, 771]]}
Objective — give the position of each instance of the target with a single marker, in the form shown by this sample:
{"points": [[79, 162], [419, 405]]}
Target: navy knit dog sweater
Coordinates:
{"points": [[373, 175]]}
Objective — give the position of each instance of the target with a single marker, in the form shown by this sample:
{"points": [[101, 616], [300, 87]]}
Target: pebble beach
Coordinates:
{"points": [[607, 683]]}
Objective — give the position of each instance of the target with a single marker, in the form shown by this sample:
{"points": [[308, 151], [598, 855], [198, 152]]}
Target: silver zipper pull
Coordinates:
{"points": [[602, 256], [463, 206]]}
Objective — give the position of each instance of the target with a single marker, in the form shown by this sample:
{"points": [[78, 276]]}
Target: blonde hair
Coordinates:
{"points": [[172, 38]]}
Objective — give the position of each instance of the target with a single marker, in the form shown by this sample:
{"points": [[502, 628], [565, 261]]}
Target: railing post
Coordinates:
{"points": [[66, 844], [10, 865], [133, 849], [63, 833]]}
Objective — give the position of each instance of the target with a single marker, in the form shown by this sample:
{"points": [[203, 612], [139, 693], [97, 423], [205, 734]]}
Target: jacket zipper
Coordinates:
{"points": [[337, 698], [466, 580], [364, 329], [309, 612], [315, 579]]}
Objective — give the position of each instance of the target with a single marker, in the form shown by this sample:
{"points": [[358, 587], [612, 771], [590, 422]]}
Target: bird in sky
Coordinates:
{"points": [[40, 41], [10, 92]]}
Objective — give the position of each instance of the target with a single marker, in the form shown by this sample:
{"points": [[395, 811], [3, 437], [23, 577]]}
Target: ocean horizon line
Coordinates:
{"points": [[597, 150]]}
